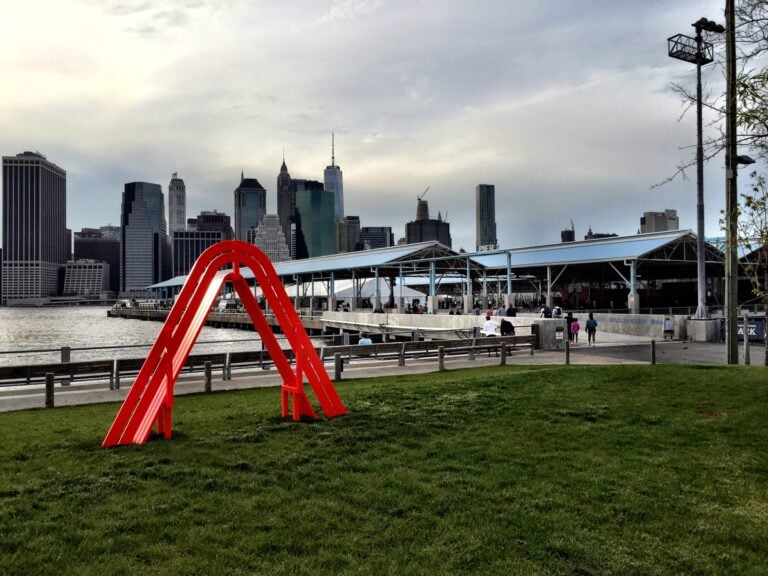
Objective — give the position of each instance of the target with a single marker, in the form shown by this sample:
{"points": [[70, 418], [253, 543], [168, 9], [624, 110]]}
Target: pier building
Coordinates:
{"points": [[657, 269]]}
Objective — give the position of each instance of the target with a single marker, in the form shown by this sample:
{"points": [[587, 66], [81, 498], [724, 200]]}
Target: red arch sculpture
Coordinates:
{"points": [[150, 400]]}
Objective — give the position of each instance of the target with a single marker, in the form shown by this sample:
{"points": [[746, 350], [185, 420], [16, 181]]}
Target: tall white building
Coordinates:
{"points": [[269, 238], [34, 227], [333, 181], [177, 205]]}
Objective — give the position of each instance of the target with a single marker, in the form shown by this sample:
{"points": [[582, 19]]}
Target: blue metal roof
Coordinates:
{"points": [[587, 251], [350, 260], [583, 252], [334, 262]]}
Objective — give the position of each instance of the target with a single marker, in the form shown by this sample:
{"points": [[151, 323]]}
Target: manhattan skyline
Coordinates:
{"points": [[565, 107]]}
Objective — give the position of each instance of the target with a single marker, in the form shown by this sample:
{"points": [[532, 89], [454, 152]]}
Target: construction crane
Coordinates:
{"points": [[420, 196]]}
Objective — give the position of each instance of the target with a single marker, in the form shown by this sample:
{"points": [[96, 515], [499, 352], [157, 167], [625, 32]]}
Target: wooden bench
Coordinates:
{"points": [[492, 344], [427, 348]]}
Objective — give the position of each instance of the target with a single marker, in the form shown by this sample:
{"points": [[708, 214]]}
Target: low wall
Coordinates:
{"points": [[650, 325], [443, 325], [408, 322], [643, 325]]}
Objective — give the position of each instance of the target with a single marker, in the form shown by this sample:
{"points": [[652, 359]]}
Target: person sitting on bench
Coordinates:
{"points": [[489, 328], [507, 328]]}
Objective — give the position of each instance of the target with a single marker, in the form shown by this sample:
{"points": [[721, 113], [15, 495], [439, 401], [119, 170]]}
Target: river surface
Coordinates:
{"points": [[24, 332]]}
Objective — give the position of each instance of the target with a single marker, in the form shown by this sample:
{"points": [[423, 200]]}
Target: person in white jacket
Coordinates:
{"points": [[489, 328]]}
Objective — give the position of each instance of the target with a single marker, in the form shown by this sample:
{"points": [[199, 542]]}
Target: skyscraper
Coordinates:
{"points": [[189, 244], [376, 237], [208, 221], [347, 234], [485, 217], [334, 182], [96, 244], [659, 221], [316, 224], [202, 232], [177, 205], [424, 228], [145, 250], [34, 226], [87, 278], [250, 205], [286, 203], [269, 238]]}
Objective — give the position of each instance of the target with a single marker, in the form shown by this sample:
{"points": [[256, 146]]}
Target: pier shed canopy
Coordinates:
{"points": [[569, 270], [659, 269], [410, 258], [395, 261], [660, 254]]}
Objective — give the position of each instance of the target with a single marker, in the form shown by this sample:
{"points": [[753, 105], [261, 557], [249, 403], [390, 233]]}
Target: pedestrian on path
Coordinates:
{"points": [[591, 329], [575, 327]]}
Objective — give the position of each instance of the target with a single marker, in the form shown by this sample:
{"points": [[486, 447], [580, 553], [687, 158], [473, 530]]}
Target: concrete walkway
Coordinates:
{"points": [[609, 349]]}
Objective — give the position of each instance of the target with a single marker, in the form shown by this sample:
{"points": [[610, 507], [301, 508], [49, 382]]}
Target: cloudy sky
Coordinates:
{"points": [[564, 105]]}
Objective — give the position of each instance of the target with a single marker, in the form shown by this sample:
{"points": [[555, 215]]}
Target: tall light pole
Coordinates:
{"points": [[731, 193], [697, 51]]}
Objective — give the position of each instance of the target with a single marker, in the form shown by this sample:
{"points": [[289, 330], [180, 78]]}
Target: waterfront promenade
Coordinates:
{"points": [[610, 349]]}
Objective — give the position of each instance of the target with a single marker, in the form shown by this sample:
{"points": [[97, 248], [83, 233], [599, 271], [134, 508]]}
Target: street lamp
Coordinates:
{"points": [[696, 51]]}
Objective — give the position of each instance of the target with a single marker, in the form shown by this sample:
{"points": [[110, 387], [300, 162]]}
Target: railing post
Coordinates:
{"points": [[747, 359], [207, 366], [440, 358], [401, 358], [503, 353], [66, 359], [338, 366], [653, 351], [567, 352], [227, 370], [472, 349], [49, 381]]}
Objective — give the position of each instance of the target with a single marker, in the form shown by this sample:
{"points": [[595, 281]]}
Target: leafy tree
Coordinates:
{"points": [[751, 88], [752, 79], [753, 235]]}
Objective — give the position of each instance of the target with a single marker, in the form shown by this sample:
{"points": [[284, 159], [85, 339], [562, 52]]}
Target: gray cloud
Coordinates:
{"points": [[564, 106]]}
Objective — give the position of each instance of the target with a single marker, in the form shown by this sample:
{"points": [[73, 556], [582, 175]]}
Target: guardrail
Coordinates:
{"points": [[113, 371]]}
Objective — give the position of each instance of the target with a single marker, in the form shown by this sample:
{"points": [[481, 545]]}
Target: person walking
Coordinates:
{"points": [[591, 329], [575, 327]]}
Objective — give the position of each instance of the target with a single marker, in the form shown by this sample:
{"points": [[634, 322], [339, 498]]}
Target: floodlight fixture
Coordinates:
{"points": [[697, 51]]}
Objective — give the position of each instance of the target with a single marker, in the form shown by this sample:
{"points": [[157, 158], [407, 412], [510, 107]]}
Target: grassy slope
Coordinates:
{"points": [[587, 470]]}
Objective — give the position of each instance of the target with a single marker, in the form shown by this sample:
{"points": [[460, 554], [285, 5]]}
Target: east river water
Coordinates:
{"points": [[23, 331]]}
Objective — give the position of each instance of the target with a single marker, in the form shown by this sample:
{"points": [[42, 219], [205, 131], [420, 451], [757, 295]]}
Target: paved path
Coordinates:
{"points": [[610, 349]]}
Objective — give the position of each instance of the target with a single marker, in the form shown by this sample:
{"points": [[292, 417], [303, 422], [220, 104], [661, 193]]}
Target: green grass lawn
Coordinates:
{"points": [[543, 470]]}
